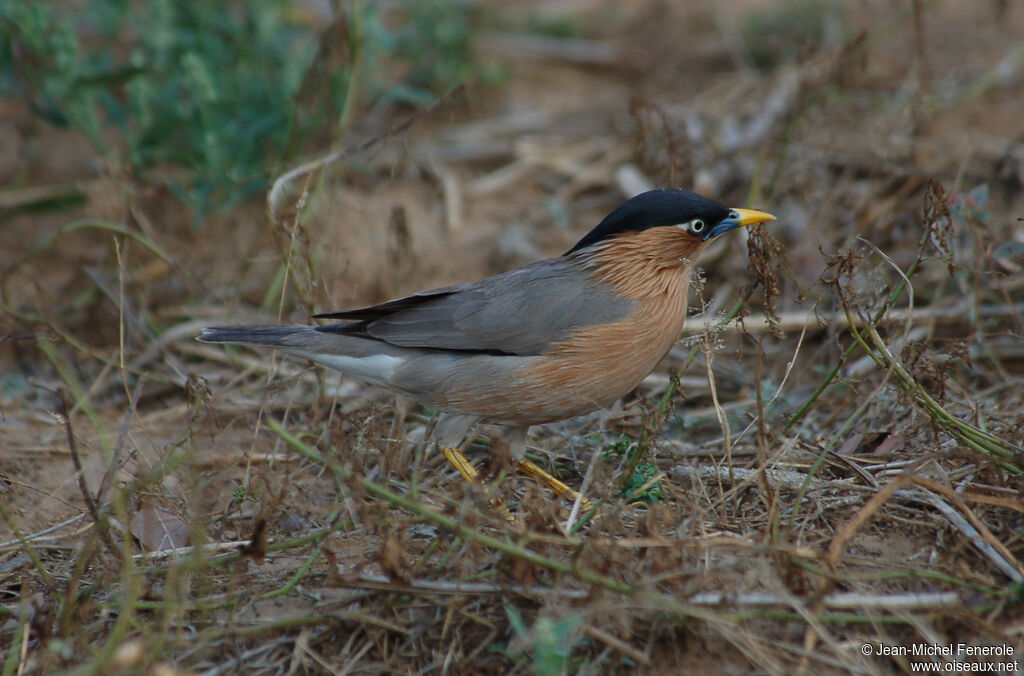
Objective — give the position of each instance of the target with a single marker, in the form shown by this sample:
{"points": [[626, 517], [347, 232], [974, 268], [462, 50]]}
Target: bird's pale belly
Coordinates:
{"points": [[549, 390]]}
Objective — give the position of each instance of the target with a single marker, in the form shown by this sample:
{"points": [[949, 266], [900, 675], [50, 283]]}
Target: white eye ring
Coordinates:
{"points": [[696, 226]]}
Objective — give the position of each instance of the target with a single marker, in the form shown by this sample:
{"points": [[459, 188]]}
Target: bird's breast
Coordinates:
{"points": [[599, 364]]}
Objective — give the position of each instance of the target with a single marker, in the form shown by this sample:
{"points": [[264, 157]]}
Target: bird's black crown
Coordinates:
{"points": [[652, 209]]}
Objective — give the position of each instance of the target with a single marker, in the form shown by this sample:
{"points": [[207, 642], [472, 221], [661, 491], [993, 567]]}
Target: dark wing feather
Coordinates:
{"points": [[521, 312], [369, 313]]}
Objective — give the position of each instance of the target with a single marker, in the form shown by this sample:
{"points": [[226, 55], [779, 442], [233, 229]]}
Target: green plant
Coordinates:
{"points": [[643, 485], [552, 642], [782, 30], [211, 98], [429, 42]]}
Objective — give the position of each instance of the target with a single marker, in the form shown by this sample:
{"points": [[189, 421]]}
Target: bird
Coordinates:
{"points": [[552, 340]]}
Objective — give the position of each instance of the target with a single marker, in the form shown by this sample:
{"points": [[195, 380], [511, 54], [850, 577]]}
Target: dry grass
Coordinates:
{"points": [[833, 458]]}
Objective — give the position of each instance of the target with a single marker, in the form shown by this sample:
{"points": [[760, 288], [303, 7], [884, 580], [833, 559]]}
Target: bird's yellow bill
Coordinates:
{"points": [[752, 217]]}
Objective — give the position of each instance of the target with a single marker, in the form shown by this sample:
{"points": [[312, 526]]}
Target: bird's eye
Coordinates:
{"points": [[696, 226]]}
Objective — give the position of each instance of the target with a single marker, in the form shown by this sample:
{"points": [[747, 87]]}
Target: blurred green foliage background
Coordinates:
{"points": [[216, 96]]}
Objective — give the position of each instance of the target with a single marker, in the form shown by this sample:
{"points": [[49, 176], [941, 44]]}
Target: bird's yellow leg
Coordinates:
{"points": [[469, 473], [527, 467], [461, 463], [558, 487]]}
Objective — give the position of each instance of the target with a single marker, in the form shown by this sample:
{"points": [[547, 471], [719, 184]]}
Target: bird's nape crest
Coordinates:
{"points": [[652, 209]]}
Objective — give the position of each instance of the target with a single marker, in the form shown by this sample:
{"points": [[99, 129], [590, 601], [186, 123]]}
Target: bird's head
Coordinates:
{"points": [[676, 222]]}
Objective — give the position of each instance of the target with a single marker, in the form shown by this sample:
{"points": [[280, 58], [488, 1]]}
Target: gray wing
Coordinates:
{"points": [[521, 312]]}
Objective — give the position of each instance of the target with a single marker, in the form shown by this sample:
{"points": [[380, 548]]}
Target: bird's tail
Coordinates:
{"points": [[271, 336], [319, 343], [371, 360]]}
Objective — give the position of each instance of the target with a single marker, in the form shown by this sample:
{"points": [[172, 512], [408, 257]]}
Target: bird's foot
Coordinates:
{"points": [[527, 467], [472, 476], [558, 487]]}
